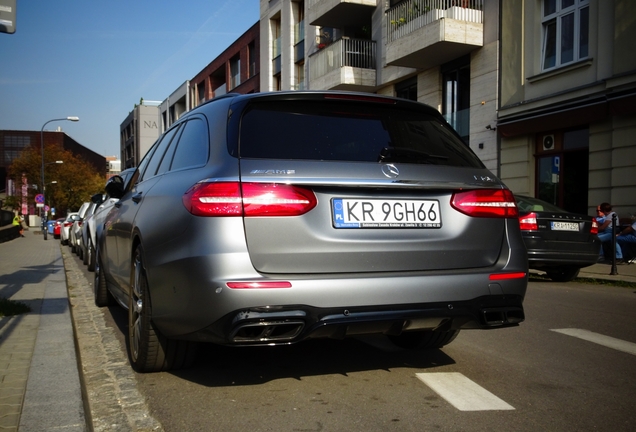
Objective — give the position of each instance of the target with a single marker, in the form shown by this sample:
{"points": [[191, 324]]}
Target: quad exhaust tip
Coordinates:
{"points": [[502, 316], [267, 331]]}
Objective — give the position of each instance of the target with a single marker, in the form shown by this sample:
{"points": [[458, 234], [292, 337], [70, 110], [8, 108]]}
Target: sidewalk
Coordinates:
{"points": [[626, 272], [61, 366], [40, 383], [39, 377]]}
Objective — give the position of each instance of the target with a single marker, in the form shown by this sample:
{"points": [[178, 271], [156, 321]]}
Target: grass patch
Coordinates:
{"points": [[10, 307]]}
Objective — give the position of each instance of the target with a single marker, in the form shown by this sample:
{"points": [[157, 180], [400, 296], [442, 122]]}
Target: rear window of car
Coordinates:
{"points": [[350, 132], [528, 204]]}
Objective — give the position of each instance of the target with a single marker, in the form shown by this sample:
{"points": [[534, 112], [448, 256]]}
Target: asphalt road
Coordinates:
{"points": [[526, 378]]}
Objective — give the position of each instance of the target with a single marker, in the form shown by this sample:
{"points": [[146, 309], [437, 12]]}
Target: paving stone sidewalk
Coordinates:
{"points": [[39, 379], [61, 367]]}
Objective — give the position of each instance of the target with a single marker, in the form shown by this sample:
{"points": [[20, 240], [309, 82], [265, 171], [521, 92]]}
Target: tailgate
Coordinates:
{"points": [[403, 226], [383, 172]]}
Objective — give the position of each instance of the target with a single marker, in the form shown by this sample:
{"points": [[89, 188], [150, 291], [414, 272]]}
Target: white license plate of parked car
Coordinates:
{"points": [[385, 213], [564, 226]]}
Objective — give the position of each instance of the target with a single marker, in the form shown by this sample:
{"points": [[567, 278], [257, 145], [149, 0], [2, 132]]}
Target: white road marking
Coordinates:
{"points": [[607, 341], [462, 393]]}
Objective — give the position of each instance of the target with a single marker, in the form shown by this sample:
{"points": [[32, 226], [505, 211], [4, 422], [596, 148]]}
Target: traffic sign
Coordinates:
{"points": [[39, 198]]}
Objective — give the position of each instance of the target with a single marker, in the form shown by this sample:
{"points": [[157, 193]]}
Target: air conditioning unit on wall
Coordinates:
{"points": [[548, 142]]}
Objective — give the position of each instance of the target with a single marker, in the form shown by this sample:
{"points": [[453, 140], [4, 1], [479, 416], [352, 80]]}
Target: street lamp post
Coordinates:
{"points": [[43, 212]]}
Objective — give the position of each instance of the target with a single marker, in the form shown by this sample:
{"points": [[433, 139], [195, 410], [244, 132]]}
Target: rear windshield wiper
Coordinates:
{"points": [[402, 154]]}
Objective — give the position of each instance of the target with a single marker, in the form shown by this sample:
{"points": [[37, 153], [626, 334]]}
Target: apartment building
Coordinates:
{"points": [[137, 133], [440, 52], [235, 70], [174, 106], [567, 115]]}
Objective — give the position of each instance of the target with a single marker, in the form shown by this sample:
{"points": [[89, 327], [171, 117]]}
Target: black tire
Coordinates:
{"points": [[563, 274], [90, 252], [424, 339], [148, 349], [103, 297], [45, 234]]}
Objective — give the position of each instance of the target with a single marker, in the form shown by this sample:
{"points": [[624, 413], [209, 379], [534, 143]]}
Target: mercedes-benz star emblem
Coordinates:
{"points": [[390, 171]]}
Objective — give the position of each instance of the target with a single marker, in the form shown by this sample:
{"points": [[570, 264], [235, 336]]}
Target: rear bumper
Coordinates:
{"points": [[290, 324], [544, 254], [191, 298]]}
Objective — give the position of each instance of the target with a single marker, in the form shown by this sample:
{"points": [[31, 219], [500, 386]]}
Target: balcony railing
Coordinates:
{"points": [[357, 53], [411, 15]]}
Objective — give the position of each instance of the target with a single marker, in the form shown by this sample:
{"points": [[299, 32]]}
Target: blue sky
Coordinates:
{"points": [[96, 59]]}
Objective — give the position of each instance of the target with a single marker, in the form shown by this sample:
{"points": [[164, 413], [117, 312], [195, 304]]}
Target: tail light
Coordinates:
{"points": [[68, 224], [507, 276], [486, 203], [594, 229], [248, 199], [528, 222]]}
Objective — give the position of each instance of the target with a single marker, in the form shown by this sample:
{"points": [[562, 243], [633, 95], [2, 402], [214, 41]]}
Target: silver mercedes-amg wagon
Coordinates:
{"points": [[271, 218]]}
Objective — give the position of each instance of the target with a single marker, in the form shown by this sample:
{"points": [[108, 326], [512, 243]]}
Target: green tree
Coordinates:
{"points": [[67, 185]]}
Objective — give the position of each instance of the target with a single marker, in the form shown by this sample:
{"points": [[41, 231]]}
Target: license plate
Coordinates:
{"points": [[389, 213], [564, 226]]}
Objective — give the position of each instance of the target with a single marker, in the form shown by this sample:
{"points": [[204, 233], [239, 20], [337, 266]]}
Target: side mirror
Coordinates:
{"points": [[115, 187], [97, 199]]}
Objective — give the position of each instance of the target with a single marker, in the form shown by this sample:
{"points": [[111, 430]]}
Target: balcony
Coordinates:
{"points": [[346, 64], [426, 33], [340, 13]]}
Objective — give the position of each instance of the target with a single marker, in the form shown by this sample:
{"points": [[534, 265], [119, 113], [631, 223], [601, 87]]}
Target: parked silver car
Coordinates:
{"points": [[66, 227], [85, 254], [97, 219], [271, 218], [75, 231]]}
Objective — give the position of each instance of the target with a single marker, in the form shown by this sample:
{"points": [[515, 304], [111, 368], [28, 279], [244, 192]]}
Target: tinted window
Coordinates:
{"points": [[528, 204], [157, 155], [167, 158], [349, 132], [193, 146], [144, 162]]}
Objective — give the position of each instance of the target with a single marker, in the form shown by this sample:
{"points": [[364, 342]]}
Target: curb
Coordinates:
{"points": [[109, 385]]}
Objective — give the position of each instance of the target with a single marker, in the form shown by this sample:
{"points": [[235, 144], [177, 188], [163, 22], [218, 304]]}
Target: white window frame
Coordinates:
{"points": [[556, 18]]}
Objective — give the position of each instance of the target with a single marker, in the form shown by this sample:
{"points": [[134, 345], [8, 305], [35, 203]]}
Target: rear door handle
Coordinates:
{"points": [[137, 197]]}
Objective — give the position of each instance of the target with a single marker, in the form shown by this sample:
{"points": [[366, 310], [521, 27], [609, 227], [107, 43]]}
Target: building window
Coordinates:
{"points": [[407, 89], [456, 96], [235, 72], [565, 32], [300, 76], [251, 54], [326, 35], [17, 141], [201, 92], [276, 45]]}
